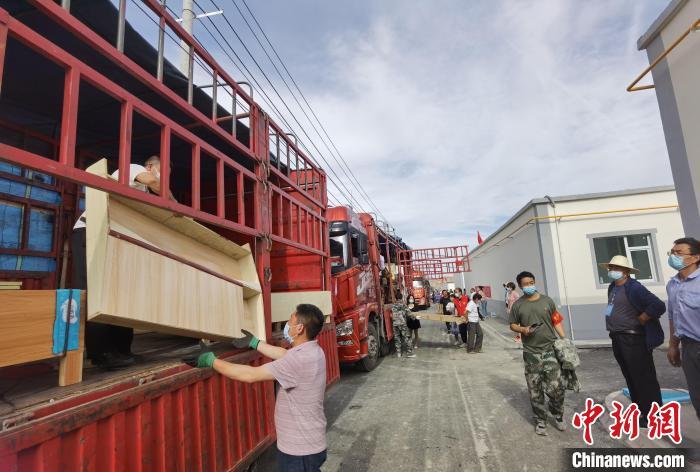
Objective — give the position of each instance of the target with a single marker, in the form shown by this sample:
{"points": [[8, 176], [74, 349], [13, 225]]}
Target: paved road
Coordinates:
{"points": [[450, 411]]}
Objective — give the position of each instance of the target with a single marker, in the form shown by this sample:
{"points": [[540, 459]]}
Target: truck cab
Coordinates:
{"points": [[420, 291], [363, 329]]}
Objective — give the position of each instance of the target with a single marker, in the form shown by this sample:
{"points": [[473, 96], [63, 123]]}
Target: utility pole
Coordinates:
{"points": [[187, 20]]}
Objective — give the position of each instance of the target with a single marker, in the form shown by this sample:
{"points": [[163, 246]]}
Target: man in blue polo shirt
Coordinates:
{"points": [[684, 312]]}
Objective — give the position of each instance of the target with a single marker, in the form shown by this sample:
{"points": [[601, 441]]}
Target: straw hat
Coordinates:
{"points": [[620, 261]]}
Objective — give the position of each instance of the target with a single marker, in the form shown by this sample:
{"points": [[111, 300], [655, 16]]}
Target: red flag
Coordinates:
{"points": [[479, 239]]}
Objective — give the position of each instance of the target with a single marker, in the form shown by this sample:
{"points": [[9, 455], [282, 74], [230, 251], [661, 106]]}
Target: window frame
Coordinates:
{"points": [[654, 259], [27, 204]]}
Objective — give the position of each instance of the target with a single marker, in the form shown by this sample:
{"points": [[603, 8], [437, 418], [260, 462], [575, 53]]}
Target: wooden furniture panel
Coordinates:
{"points": [[27, 320], [149, 268], [284, 303]]}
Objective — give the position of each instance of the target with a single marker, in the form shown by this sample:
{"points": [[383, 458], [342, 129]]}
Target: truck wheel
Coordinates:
{"points": [[370, 362]]}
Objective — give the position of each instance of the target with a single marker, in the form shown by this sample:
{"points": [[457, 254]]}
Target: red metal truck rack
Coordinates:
{"points": [[434, 263], [249, 181]]}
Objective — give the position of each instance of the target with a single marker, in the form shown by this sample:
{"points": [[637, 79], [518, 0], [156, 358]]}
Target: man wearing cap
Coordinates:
{"points": [[632, 319]]}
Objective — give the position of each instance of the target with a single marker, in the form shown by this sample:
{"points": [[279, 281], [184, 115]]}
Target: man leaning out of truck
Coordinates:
{"points": [[109, 346], [300, 420]]}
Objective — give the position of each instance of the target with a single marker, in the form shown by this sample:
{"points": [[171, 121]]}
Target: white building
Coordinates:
{"points": [[672, 40], [561, 240]]}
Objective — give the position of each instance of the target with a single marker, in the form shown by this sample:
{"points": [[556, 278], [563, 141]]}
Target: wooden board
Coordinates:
{"points": [[27, 318], [444, 318], [9, 285], [151, 269], [284, 303]]}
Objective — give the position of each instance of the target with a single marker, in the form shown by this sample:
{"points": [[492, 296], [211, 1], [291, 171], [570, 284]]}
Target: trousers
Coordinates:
{"points": [[690, 360], [637, 365], [402, 338], [543, 377], [475, 337]]}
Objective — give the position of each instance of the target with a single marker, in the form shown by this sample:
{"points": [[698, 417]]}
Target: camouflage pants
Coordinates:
{"points": [[543, 376], [402, 336]]}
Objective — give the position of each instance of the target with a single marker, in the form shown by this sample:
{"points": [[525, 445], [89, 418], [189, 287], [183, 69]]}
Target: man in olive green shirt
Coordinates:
{"points": [[531, 316]]}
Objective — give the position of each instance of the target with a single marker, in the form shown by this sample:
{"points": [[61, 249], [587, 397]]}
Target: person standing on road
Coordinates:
{"points": [[475, 334], [413, 324], [400, 315], [300, 420], [632, 319], [684, 312], [461, 301], [444, 300], [512, 296], [483, 303], [531, 316]]}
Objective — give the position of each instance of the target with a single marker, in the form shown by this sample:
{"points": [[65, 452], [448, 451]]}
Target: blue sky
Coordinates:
{"points": [[454, 114]]}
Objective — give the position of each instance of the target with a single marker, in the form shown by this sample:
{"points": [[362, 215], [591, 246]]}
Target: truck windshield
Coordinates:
{"points": [[339, 253]]}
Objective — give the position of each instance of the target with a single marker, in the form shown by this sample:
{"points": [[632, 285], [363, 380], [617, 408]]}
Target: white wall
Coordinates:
{"points": [[502, 256], [577, 253], [676, 79], [567, 273]]}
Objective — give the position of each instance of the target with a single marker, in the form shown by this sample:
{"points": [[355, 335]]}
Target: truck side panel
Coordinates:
{"points": [[187, 420]]}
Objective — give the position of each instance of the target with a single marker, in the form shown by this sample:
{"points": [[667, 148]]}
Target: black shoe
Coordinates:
{"points": [[138, 358], [114, 361]]}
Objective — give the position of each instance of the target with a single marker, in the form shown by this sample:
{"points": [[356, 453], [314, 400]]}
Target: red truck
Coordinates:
{"points": [[79, 84], [420, 292], [361, 302]]}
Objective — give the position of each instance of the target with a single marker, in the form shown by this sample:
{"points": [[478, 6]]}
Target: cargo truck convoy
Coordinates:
{"points": [[79, 84]]}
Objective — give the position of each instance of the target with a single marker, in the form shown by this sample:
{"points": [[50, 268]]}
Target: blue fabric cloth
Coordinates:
{"points": [[684, 305], [63, 316], [646, 302], [666, 395]]}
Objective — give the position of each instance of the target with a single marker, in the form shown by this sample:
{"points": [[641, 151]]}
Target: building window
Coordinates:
{"points": [[637, 248]]}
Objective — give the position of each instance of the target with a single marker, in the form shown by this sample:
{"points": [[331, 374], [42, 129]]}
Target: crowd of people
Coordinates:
{"points": [[632, 319]]}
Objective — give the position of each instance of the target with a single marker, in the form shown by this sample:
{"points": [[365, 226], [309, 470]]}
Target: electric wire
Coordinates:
{"points": [[341, 163], [274, 50], [349, 195]]}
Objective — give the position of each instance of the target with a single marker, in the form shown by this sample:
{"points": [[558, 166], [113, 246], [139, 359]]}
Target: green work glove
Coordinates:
{"points": [[197, 359], [206, 360], [248, 340]]}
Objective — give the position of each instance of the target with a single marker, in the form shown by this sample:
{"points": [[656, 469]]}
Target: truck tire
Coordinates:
{"points": [[370, 362]]}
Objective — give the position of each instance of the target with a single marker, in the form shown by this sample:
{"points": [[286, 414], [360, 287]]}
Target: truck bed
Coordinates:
{"points": [[25, 389]]}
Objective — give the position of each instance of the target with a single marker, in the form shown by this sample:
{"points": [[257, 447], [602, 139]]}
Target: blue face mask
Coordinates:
{"points": [[676, 262], [286, 334], [615, 274], [529, 290]]}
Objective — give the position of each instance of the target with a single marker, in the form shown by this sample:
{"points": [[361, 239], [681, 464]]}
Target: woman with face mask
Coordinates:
{"points": [[512, 296]]}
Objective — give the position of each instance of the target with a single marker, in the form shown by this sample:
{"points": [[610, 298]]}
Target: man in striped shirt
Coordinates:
{"points": [[300, 420]]}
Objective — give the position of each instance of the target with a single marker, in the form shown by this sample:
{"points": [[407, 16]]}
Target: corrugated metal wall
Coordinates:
{"points": [[190, 420], [327, 341]]}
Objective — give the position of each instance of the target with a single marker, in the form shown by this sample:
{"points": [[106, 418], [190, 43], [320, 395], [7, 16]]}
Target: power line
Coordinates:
{"points": [[177, 41], [341, 163], [361, 188], [349, 196]]}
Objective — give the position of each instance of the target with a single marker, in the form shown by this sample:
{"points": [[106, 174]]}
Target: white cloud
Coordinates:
{"points": [[491, 106]]}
